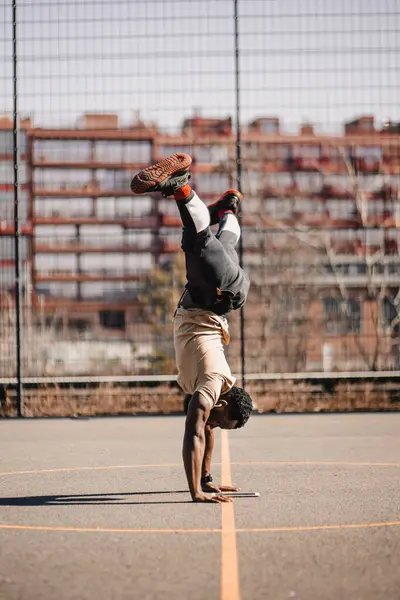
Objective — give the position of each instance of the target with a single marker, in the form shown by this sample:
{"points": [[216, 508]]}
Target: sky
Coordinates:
{"points": [[324, 61]]}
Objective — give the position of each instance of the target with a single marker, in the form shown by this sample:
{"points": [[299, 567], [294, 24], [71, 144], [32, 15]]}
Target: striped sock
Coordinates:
{"points": [[229, 224], [183, 192], [193, 211]]}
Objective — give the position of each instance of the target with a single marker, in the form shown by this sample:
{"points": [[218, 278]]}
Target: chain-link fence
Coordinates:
{"points": [[297, 103]]}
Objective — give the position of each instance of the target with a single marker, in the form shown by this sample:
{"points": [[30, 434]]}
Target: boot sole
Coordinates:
{"points": [[150, 177]]}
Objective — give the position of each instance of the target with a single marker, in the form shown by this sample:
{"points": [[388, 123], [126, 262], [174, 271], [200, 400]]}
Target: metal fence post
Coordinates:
{"points": [[16, 217], [239, 182]]}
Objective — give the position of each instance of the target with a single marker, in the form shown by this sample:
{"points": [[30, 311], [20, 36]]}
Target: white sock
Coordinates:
{"points": [[231, 224], [199, 213]]}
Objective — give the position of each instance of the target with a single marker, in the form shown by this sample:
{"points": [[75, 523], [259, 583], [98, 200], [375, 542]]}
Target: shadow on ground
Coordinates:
{"points": [[86, 499]]}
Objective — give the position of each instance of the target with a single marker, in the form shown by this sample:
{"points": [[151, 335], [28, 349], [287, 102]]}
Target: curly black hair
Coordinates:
{"points": [[241, 407]]}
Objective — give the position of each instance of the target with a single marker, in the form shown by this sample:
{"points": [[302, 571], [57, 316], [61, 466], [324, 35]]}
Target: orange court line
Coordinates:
{"points": [[315, 462], [318, 527], [293, 529], [103, 529], [168, 465], [95, 468], [230, 589]]}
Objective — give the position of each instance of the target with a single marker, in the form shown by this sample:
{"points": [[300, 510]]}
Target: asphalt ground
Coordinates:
{"points": [[99, 508]]}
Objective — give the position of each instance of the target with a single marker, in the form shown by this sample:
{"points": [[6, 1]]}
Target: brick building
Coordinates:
{"points": [[321, 235]]}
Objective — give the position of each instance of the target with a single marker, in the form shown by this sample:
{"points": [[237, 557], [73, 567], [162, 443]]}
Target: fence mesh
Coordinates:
{"points": [[108, 87], [7, 254]]}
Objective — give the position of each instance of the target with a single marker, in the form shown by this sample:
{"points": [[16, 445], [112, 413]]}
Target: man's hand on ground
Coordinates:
{"points": [[210, 487], [210, 498]]}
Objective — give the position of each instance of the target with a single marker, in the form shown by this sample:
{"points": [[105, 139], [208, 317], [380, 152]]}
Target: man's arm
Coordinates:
{"points": [[194, 446], [209, 448], [206, 470]]}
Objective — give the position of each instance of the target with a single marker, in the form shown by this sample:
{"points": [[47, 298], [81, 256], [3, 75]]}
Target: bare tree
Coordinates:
{"points": [[159, 296], [379, 263], [307, 267]]}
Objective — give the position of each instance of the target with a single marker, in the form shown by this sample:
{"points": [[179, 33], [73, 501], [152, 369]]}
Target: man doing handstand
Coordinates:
{"points": [[216, 284]]}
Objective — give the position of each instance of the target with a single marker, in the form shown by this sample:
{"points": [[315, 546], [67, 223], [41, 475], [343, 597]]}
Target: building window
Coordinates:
{"points": [[341, 208], [279, 208], [211, 183], [308, 182], [332, 152], [372, 153], [278, 151], [252, 182], [6, 142], [278, 182], [358, 269], [389, 314], [214, 155], [109, 151], [251, 151], [79, 325], [112, 319], [377, 207], [135, 151], [308, 206], [57, 290], [341, 316], [59, 179], [113, 179], [63, 207], [7, 172], [164, 151], [307, 151], [7, 206], [55, 234], [62, 150], [56, 263]]}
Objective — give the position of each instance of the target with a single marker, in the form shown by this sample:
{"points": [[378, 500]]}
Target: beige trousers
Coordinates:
{"points": [[199, 339]]}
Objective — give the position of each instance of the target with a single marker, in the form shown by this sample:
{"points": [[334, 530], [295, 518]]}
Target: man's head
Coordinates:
{"points": [[232, 410]]}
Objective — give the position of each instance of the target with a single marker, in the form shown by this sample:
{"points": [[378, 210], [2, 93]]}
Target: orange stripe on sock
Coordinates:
{"points": [[183, 192]]}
